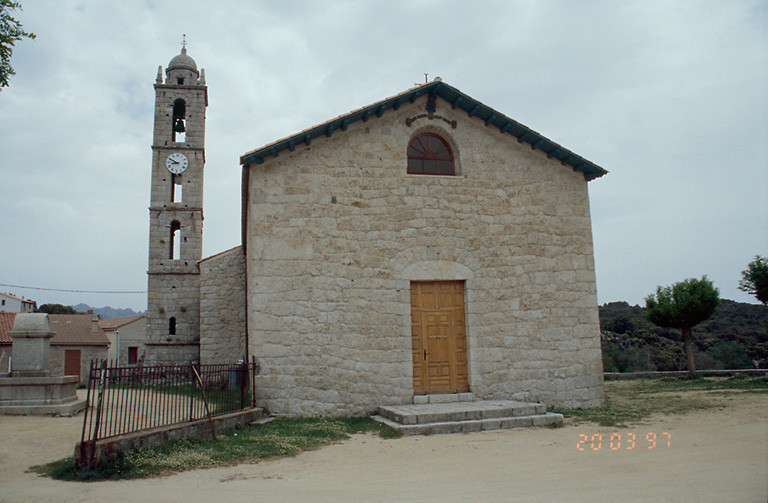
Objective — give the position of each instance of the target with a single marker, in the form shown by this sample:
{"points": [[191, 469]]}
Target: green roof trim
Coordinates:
{"points": [[457, 100]]}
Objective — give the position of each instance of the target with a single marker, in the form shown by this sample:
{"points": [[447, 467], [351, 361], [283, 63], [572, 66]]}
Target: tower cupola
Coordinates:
{"points": [[182, 70]]}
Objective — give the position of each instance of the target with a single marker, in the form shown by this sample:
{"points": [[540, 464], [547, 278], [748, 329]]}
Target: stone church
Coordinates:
{"points": [[424, 244]]}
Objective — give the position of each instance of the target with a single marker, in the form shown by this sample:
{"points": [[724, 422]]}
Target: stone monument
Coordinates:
{"points": [[31, 390]]}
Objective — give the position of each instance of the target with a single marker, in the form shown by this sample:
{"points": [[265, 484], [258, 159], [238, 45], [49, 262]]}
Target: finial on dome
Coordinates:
{"points": [[184, 43]]}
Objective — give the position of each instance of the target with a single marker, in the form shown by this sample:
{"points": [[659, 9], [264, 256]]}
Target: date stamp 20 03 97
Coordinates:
{"points": [[627, 441]]}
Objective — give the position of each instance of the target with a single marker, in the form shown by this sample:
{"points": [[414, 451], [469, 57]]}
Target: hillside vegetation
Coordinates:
{"points": [[735, 337]]}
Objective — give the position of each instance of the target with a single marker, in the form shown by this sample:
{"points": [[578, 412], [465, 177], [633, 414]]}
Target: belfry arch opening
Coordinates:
{"points": [[174, 252], [179, 122], [172, 326]]}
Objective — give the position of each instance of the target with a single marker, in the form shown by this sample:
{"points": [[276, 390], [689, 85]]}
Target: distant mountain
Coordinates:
{"points": [[106, 312]]}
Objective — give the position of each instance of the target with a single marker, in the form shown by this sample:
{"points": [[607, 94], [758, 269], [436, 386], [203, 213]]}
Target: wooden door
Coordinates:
{"points": [[439, 337], [72, 362]]}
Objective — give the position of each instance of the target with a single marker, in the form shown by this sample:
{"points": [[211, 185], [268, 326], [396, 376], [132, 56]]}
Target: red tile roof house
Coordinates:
{"points": [[78, 340]]}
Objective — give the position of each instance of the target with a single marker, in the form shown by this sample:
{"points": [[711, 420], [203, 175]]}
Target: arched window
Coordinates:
{"points": [[174, 252], [172, 326], [428, 154], [179, 120]]}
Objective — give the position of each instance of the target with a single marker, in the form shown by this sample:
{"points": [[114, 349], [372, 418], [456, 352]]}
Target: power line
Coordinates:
{"points": [[74, 291]]}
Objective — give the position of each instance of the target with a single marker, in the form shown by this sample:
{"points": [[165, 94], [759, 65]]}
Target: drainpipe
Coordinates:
{"points": [[244, 190]]}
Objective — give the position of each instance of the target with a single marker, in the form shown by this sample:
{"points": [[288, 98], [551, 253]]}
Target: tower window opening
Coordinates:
{"points": [[179, 122], [176, 188], [172, 326], [180, 81], [175, 245]]}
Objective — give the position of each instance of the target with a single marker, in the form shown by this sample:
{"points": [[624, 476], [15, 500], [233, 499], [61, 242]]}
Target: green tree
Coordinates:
{"points": [[683, 306], [10, 33], [754, 280], [731, 355], [56, 309]]}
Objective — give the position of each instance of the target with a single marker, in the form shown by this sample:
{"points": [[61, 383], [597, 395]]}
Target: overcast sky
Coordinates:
{"points": [[669, 96]]}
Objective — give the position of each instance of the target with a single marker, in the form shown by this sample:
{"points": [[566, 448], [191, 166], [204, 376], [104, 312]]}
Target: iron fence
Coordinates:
{"points": [[122, 400]]}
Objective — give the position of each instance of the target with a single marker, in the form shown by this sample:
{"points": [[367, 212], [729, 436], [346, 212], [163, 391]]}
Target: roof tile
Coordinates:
{"points": [[76, 330], [6, 324]]}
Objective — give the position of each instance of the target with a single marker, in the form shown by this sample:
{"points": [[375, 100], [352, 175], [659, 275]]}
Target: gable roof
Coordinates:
{"points": [[456, 99], [76, 330], [6, 324], [115, 323]]}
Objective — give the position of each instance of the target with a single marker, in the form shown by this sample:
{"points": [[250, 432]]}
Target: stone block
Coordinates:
{"points": [[31, 342], [446, 398]]}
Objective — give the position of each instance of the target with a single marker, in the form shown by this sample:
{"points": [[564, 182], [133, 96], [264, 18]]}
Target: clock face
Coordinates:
{"points": [[177, 163]]}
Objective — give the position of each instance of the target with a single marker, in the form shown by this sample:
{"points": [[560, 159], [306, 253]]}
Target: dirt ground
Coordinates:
{"points": [[713, 456]]}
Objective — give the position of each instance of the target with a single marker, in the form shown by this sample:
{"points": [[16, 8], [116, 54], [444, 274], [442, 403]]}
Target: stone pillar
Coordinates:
{"points": [[31, 346]]}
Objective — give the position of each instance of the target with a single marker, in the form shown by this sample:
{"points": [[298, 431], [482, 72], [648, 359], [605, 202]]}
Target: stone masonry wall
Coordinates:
{"points": [[338, 230], [173, 296], [222, 307]]}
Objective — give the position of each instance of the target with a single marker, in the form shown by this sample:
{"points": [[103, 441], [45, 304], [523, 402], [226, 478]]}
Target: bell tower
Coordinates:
{"points": [[176, 214]]}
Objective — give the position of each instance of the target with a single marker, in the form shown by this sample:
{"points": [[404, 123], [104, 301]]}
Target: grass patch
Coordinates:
{"points": [[632, 401], [282, 437]]}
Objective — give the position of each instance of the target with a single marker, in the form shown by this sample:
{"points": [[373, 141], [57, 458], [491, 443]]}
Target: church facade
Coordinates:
{"points": [[424, 244]]}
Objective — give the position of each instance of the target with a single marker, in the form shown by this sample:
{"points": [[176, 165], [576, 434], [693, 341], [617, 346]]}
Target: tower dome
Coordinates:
{"points": [[182, 70], [182, 61]]}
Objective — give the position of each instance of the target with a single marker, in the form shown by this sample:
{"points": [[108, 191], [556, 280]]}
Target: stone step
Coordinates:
{"points": [[444, 398], [474, 425], [459, 411], [465, 417]]}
